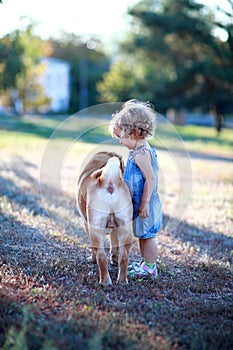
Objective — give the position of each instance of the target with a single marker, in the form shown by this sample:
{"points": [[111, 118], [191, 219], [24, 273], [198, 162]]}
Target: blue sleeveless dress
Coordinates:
{"points": [[143, 227]]}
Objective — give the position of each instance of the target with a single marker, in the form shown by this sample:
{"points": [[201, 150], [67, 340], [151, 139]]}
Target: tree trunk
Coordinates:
{"points": [[218, 122], [218, 119]]}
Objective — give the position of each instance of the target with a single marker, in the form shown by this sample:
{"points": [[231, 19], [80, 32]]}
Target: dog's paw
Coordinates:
{"points": [[107, 282], [122, 281]]}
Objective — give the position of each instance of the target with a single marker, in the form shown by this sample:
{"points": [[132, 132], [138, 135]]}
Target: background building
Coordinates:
{"points": [[56, 83]]}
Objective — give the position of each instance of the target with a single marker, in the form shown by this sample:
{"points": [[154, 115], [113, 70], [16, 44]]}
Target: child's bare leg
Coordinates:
{"points": [[148, 248], [141, 246]]}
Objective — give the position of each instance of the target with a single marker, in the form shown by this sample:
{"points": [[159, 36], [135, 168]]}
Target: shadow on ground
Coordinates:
{"points": [[51, 297]]}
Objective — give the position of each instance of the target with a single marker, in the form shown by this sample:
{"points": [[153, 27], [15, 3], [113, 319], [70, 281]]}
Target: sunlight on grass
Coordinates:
{"points": [[197, 138], [28, 131]]}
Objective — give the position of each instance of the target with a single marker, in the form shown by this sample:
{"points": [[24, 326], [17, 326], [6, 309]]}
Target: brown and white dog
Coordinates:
{"points": [[104, 201]]}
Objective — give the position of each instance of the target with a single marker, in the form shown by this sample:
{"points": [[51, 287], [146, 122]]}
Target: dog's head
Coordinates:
{"points": [[110, 175]]}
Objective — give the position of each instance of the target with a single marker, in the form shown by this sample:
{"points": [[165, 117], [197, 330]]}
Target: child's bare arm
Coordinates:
{"points": [[144, 163]]}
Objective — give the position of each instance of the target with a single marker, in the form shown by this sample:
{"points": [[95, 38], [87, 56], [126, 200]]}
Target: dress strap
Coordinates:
{"points": [[139, 150], [142, 149]]}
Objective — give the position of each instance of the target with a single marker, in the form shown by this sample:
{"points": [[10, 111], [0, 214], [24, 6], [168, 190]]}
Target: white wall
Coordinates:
{"points": [[56, 83]]}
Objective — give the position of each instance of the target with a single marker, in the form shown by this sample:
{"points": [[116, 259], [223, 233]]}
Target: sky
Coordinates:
{"points": [[105, 18], [100, 17]]}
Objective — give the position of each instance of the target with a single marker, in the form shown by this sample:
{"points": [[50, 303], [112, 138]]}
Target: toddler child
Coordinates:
{"points": [[133, 124]]}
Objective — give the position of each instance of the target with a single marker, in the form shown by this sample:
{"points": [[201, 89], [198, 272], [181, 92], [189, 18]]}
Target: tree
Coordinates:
{"points": [[88, 63], [187, 65], [119, 83], [11, 62], [20, 68]]}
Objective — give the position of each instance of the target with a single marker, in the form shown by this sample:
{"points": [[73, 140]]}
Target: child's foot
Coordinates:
{"points": [[135, 265], [143, 271]]}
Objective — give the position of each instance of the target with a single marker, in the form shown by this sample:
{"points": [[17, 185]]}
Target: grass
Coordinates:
{"points": [[49, 296], [195, 138], [25, 131], [207, 137]]}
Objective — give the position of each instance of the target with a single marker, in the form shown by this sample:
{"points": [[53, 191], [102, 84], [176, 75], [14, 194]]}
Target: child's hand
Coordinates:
{"points": [[144, 209]]}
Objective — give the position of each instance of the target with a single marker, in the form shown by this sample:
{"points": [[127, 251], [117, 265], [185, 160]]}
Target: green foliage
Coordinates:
{"points": [[117, 84], [11, 62], [88, 63], [20, 69], [186, 65], [16, 340]]}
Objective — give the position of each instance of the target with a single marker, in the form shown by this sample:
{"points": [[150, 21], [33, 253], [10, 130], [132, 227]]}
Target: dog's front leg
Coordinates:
{"points": [[97, 243]]}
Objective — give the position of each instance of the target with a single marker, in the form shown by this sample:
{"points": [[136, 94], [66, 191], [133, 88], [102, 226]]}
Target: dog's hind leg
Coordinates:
{"points": [[114, 248], [101, 257], [123, 263], [125, 238]]}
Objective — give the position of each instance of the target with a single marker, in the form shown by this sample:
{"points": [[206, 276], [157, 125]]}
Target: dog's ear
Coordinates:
{"points": [[96, 176], [122, 166]]}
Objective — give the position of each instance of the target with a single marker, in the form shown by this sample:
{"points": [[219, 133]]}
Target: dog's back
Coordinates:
{"points": [[98, 161]]}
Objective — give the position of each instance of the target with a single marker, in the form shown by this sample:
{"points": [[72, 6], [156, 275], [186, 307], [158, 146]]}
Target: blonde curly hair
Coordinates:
{"points": [[134, 118]]}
